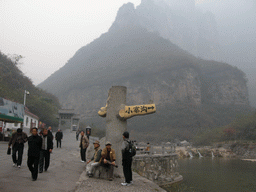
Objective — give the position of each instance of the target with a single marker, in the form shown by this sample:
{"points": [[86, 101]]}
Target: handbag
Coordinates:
{"points": [[9, 151]]}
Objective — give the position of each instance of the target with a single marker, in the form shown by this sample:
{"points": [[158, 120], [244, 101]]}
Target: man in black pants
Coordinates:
{"points": [[17, 141], [45, 152], [126, 160], [34, 147], [58, 137], [84, 143], [50, 132]]}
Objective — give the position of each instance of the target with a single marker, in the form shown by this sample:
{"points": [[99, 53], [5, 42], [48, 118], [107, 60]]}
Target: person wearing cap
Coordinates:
{"points": [[108, 156], [95, 160], [17, 141]]}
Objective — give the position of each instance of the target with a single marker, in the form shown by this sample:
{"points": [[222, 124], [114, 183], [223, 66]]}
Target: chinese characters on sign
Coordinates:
{"points": [[130, 111], [139, 109]]}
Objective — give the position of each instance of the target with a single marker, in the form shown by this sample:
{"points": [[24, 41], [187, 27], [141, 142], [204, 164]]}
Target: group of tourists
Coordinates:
{"points": [[106, 157], [40, 146], [39, 149]]}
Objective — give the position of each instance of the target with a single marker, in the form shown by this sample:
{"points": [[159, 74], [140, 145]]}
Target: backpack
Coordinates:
{"points": [[130, 149]]}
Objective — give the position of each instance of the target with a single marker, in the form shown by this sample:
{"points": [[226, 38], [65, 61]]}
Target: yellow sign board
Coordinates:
{"points": [[134, 110]]}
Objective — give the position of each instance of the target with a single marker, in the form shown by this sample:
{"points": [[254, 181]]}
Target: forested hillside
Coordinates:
{"points": [[242, 129], [13, 83]]}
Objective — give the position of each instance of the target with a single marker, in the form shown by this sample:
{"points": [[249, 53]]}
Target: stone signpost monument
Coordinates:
{"points": [[116, 113]]}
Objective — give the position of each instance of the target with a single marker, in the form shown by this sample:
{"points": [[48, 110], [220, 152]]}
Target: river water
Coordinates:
{"points": [[217, 175]]}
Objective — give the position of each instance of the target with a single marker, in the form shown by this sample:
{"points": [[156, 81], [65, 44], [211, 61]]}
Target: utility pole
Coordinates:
{"points": [[25, 94]]}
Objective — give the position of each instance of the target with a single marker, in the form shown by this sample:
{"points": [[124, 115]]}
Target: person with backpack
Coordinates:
{"points": [[128, 151]]}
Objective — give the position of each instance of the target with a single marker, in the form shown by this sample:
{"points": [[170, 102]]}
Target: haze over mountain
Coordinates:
{"points": [[223, 31], [236, 25], [148, 51]]}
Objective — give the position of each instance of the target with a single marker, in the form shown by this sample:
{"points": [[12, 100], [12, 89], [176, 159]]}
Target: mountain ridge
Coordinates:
{"points": [[190, 93]]}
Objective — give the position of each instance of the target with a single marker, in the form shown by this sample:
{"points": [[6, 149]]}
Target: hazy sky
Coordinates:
{"points": [[49, 32]]}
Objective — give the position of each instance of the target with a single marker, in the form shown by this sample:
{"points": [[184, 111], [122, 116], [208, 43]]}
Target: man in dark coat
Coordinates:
{"points": [[47, 146], [77, 134], [34, 148], [17, 141], [126, 160], [50, 132], [58, 137]]}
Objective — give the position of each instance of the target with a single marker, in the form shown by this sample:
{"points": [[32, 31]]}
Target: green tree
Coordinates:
{"points": [[13, 83]]}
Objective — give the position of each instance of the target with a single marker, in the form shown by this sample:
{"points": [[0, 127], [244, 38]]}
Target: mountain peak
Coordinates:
{"points": [[126, 18]]}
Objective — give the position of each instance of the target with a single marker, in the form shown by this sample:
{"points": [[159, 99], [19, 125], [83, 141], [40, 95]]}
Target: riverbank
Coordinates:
{"points": [[227, 150]]}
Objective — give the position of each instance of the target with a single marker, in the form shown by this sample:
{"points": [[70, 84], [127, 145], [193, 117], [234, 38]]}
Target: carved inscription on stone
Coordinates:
{"points": [[127, 112]]}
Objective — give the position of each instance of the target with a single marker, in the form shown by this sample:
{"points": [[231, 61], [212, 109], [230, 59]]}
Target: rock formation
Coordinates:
{"points": [[189, 93]]}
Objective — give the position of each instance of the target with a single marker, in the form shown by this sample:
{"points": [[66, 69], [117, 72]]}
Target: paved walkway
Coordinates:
{"points": [[62, 175], [66, 173], [140, 184]]}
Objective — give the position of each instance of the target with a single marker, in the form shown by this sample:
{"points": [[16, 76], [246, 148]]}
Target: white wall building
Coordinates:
{"points": [[30, 121]]}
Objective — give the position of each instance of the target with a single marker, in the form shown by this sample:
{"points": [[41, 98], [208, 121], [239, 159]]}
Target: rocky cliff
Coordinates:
{"points": [[189, 93], [178, 21]]}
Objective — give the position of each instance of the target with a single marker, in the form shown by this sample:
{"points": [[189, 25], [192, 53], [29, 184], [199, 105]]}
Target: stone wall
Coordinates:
{"points": [[160, 168]]}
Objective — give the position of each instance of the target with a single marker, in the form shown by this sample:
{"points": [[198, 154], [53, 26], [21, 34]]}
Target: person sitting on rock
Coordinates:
{"points": [[108, 156], [95, 160]]}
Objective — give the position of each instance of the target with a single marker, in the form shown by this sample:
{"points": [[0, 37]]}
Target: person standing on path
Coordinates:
{"points": [[84, 143], [47, 146], [126, 160], [58, 137], [17, 141], [50, 132], [77, 134], [34, 148], [148, 147]]}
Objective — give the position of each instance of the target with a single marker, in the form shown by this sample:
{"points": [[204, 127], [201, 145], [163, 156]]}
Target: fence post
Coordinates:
{"points": [[151, 151], [163, 148]]}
